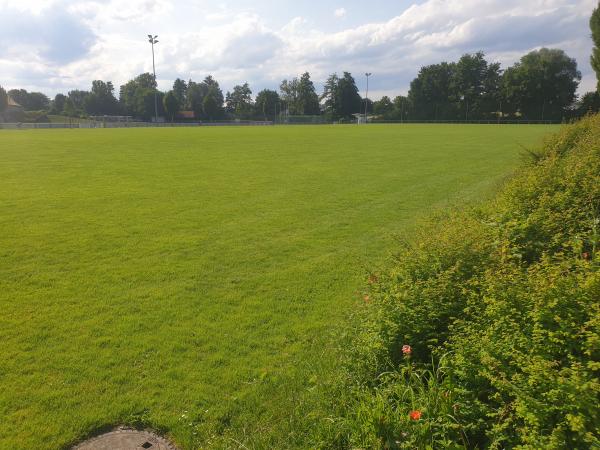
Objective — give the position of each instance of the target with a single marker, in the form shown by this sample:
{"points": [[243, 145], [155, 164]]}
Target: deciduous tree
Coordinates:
{"points": [[213, 103], [475, 86], [136, 94], [383, 107], [431, 93], [30, 101], [266, 104], [196, 93], [290, 95], [180, 90], [171, 105], [195, 98], [588, 104], [101, 100], [3, 99], [542, 85], [75, 103], [300, 96], [307, 96], [239, 101], [329, 97], [595, 27], [58, 104]]}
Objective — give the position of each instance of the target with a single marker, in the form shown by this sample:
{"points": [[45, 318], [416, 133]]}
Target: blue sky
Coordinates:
{"points": [[58, 45], [319, 13]]}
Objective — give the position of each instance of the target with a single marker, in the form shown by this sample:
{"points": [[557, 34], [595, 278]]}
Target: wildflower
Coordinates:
{"points": [[586, 256], [366, 298], [406, 350], [415, 415]]}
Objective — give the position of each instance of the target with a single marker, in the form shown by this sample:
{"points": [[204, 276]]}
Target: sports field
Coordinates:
{"points": [[189, 279]]}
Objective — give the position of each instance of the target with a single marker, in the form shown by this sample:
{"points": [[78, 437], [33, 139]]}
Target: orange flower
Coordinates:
{"points": [[415, 415], [366, 298], [406, 350]]}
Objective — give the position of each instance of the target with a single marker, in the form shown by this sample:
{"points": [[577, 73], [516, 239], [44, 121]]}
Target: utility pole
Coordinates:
{"points": [[368, 74], [153, 40]]}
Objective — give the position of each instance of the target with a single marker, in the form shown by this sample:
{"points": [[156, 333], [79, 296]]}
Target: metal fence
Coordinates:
{"points": [[29, 126], [474, 122], [32, 126]]}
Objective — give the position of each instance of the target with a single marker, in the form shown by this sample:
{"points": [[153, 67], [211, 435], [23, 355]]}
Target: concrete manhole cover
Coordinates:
{"points": [[126, 439]]}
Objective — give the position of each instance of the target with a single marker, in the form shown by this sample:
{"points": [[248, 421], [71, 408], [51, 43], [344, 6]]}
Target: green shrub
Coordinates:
{"points": [[501, 308], [527, 352], [36, 117]]}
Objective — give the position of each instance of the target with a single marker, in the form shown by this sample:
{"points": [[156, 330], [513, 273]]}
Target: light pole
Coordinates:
{"points": [[153, 40], [368, 74]]}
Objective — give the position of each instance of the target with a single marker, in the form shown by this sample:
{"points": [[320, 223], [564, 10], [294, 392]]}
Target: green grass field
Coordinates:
{"points": [[188, 279]]}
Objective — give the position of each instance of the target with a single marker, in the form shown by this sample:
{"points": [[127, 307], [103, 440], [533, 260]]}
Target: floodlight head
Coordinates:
{"points": [[150, 36], [368, 74]]}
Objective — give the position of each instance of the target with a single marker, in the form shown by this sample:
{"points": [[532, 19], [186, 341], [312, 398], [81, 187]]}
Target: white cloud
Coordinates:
{"points": [[128, 12], [54, 36], [94, 39], [340, 12]]}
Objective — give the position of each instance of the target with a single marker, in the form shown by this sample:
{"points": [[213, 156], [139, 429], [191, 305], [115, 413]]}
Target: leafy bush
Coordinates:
{"points": [[501, 306], [36, 117]]}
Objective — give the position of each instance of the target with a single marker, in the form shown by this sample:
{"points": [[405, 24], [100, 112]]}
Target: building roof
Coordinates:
{"points": [[11, 102], [187, 114]]}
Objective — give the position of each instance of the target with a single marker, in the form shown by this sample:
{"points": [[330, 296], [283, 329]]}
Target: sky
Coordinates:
{"points": [[58, 45]]}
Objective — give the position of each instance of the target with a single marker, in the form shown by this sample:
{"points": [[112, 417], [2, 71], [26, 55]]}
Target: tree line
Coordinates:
{"points": [[541, 86]]}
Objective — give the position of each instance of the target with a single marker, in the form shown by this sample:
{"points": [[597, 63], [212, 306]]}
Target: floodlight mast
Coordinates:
{"points": [[153, 40], [368, 74]]}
